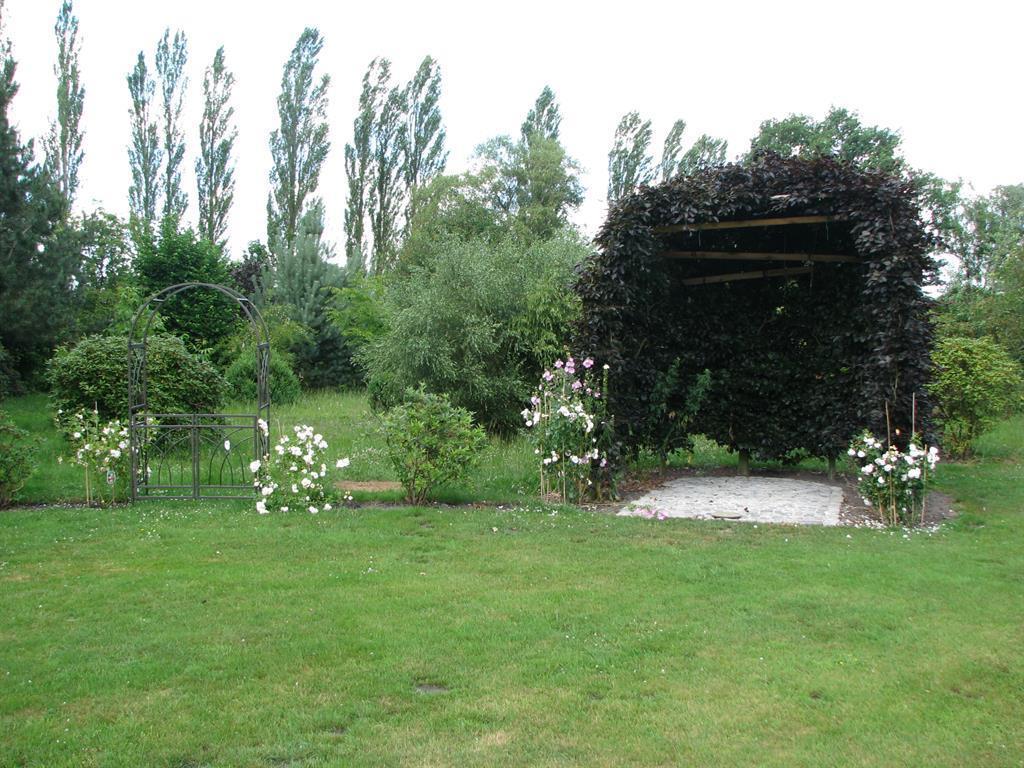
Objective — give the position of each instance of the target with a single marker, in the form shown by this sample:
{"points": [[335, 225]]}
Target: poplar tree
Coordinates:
{"points": [[423, 152], [299, 146], [144, 154], [215, 169], [629, 161], [171, 57], [544, 120], [706, 152], [358, 165], [385, 197], [63, 145], [671, 152]]}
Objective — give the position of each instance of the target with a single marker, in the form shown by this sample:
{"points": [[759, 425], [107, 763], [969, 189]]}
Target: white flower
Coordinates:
{"points": [[295, 488], [328, 507], [867, 469], [851, 452], [313, 510], [860, 454], [115, 453], [78, 435], [914, 473], [306, 482], [284, 509], [266, 490], [227, 445], [261, 507], [254, 466], [263, 427], [341, 463], [881, 480]]}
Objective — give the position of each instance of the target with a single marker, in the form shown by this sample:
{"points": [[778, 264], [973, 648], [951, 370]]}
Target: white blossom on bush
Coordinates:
{"points": [[892, 481], [294, 474]]}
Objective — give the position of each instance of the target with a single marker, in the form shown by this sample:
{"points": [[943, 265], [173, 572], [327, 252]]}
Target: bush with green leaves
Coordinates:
{"points": [[430, 442], [476, 321], [94, 373], [16, 453], [975, 383], [241, 376]]}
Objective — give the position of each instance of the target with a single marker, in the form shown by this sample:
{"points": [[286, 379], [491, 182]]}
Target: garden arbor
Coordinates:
{"points": [[776, 306], [194, 455]]}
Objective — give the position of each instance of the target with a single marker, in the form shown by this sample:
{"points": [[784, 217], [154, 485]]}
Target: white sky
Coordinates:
{"points": [[946, 75]]}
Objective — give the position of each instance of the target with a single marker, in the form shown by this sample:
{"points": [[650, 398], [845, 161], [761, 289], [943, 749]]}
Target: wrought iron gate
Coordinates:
{"points": [[194, 455]]}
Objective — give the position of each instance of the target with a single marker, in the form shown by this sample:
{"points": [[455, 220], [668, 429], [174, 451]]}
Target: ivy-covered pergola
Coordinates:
{"points": [[776, 306]]}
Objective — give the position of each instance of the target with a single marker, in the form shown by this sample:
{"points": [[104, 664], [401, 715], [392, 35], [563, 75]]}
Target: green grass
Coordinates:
{"points": [[175, 634], [506, 471]]}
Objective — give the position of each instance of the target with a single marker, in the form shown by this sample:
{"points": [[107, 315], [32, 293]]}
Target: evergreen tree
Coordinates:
{"points": [[215, 169], [423, 152], [305, 281], [299, 146], [629, 161], [386, 193], [64, 143], [672, 150], [171, 57], [35, 275], [544, 119], [144, 154]]}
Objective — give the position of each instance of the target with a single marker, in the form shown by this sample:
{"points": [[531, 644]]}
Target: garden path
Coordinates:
{"points": [[746, 499]]}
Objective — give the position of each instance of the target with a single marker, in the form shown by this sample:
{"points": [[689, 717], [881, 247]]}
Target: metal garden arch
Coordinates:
{"points": [[194, 455]]}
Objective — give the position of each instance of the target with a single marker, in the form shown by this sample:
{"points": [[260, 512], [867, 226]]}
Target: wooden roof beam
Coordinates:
{"points": [[758, 256], [745, 224], [734, 276]]}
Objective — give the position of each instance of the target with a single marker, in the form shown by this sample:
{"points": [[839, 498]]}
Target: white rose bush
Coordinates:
{"points": [[103, 450], [891, 481], [293, 476], [565, 419]]}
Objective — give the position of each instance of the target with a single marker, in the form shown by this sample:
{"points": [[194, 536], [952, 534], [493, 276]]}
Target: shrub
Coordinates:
{"points": [[94, 373], [566, 422], [476, 322], [892, 482], [241, 376], [293, 476], [430, 442], [101, 450], [16, 452], [975, 382]]}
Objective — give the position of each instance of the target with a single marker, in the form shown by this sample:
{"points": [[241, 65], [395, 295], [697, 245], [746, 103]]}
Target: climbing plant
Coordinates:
{"points": [[796, 364]]}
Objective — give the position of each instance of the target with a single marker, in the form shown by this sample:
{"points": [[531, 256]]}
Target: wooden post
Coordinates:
{"points": [[831, 467], [744, 462]]}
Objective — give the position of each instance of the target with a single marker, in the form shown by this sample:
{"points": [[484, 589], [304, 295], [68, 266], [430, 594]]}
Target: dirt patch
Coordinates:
{"points": [[369, 485]]}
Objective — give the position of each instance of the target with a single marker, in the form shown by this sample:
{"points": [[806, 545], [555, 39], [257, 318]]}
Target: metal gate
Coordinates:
{"points": [[194, 455]]}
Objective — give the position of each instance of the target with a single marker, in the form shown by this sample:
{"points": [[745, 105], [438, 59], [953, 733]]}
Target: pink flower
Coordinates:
{"points": [[548, 376], [559, 363], [588, 363], [577, 384]]}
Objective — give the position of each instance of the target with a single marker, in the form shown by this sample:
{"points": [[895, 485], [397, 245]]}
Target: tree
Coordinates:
{"points": [[672, 149], [64, 143], [144, 154], [533, 185], [544, 119], [423, 153], [629, 163], [171, 58], [706, 152], [299, 146], [35, 277], [305, 281], [386, 194], [215, 169], [358, 161], [202, 318], [976, 382], [840, 133], [993, 230]]}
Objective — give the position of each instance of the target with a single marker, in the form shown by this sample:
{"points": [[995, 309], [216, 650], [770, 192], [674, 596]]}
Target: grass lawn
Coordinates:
{"points": [[175, 634]]}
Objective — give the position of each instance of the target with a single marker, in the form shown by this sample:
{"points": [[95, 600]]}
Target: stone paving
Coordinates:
{"points": [[744, 499]]}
